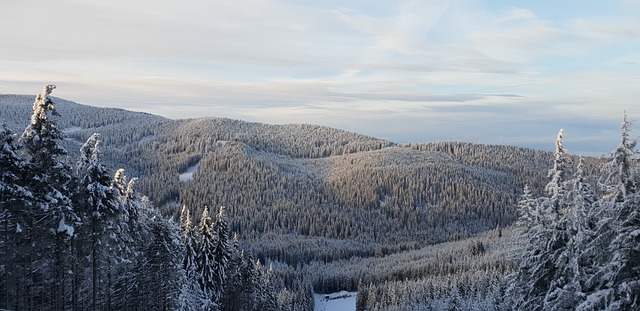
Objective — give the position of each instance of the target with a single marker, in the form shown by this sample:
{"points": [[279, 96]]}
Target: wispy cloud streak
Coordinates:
{"points": [[402, 70]]}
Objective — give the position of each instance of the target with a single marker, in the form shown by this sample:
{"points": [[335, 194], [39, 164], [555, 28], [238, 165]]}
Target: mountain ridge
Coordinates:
{"points": [[309, 180]]}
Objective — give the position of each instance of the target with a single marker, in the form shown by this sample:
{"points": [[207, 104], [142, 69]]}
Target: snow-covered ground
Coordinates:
{"points": [[188, 175], [71, 129], [341, 301]]}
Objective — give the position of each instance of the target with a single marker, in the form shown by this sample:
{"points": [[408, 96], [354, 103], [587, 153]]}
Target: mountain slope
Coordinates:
{"points": [[307, 182]]}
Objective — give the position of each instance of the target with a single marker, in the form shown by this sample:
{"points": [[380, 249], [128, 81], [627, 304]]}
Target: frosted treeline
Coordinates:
{"points": [[76, 237], [411, 227], [576, 247], [581, 242]]}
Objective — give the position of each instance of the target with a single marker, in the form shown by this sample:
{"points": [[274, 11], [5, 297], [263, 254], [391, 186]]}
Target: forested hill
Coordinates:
{"points": [[313, 184]]}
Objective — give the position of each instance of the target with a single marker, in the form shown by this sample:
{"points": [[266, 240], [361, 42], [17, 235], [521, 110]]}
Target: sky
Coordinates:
{"points": [[494, 72]]}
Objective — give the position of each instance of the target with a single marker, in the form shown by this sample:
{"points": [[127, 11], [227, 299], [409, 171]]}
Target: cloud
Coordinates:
{"points": [[406, 70]]}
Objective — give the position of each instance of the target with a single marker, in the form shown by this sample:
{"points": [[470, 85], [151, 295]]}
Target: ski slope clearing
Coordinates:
{"points": [[340, 301]]}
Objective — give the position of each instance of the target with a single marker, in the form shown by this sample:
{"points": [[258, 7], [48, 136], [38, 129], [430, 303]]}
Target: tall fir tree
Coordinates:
{"points": [[191, 294], [545, 237], [158, 271], [611, 259], [206, 264], [222, 252], [619, 176], [558, 186], [15, 213], [53, 215], [96, 203]]}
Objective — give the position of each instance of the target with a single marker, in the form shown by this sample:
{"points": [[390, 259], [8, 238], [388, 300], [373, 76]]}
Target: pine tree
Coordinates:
{"points": [[530, 214], [612, 258], [15, 207], [565, 290], [133, 227], [619, 180], [557, 188], [221, 252], [54, 211], [159, 273], [206, 264], [96, 203], [363, 296], [237, 295], [191, 294], [582, 198], [189, 240], [545, 237]]}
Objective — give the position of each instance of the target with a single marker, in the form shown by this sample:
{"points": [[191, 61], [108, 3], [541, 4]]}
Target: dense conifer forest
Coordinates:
{"points": [[270, 214]]}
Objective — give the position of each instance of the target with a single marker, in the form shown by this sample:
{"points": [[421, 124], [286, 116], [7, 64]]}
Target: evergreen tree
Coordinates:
{"points": [[530, 214], [159, 272], [96, 203], [557, 188], [53, 215], [620, 180], [132, 227], [565, 290], [582, 198], [189, 240], [611, 259], [266, 288], [545, 237], [222, 252], [15, 207], [206, 264], [587, 256], [236, 292], [191, 294]]}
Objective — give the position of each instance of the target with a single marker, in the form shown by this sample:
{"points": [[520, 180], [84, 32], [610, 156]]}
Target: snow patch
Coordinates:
{"points": [[63, 227], [340, 301], [221, 142], [71, 129], [188, 175]]}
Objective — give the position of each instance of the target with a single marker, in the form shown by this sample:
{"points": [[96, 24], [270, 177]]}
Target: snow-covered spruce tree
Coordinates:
{"points": [[159, 273], [15, 206], [235, 294], [96, 203], [267, 299], [531, 214], [206, 264], [246, 287], [565, 289], [133, 227], [582, 197], [222, 251], [53, 212], [620, 180], [191, 294], [528, 240], [545, 237], [51, 176], [611, 259], [558, 187]]}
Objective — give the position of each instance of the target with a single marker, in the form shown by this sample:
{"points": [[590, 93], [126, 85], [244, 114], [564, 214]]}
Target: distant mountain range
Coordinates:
{"points": [[316, 185]]}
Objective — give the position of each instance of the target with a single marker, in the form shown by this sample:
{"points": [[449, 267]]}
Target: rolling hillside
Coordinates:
{"points": [[302, 193], [330, 208]]}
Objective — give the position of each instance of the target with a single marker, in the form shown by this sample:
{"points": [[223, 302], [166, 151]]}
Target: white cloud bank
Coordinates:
{"points": [[404, 70]]}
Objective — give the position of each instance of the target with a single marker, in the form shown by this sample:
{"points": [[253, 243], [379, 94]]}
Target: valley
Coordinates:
{"points": [[330, 210]]}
